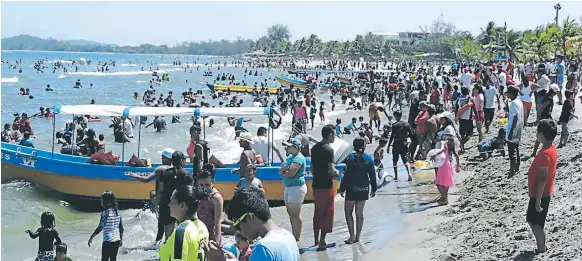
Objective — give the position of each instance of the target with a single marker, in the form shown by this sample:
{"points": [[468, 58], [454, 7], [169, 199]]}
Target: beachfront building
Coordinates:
{"points": [[402, 38]]}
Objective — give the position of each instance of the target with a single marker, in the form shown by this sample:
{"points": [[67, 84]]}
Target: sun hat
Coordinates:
{"points": [[448, 115], [246, 136], [167, 153], [292, 142]]}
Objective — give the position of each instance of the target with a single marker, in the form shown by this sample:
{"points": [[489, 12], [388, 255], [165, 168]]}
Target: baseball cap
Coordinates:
{"points": [[167, 153], [246, 136], [292, 142]]}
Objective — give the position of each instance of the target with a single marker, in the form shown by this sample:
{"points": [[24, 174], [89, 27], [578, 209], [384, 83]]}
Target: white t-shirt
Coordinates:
{"points": [[502, 79], [466, 79], [515, 110], [526, 91], [489, 97], [277, 245], [128, 127], [439, 80], [544, 83], [261, 145]]}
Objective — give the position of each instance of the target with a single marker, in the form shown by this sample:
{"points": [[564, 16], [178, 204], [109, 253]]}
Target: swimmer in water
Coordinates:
{"points": [[47, 235], [78, 84], [48, 88]]}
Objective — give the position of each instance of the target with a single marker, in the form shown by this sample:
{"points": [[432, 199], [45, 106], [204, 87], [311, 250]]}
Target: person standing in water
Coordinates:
{"points": [[247, 156], [47, 235], [359, 176], [324, 172], [398, 140], [112, 227]]}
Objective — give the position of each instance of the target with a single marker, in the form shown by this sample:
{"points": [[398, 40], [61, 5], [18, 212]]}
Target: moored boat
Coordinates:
{"points": [[237, 88], [73, 176], [287, 82]]}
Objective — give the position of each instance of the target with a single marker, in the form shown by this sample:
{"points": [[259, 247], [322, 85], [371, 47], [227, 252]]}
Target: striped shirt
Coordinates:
{"points": [[111, 225]]}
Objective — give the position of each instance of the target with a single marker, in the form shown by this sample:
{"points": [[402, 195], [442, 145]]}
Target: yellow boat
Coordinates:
{"points": [[237, 88]]}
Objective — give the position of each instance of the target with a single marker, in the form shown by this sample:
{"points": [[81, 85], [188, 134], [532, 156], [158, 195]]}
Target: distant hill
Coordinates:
{"points": [[87, 42], [33, 43]]}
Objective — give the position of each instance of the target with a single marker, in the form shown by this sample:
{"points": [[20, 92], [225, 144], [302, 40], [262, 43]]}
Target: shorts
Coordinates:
{"points": [[164, 216], [565, 130], [533, 216], [399, 150], [110, 249], [295, 194], [45, 255], [527, 105], [489, 114], [324, 209], [465, 128]]}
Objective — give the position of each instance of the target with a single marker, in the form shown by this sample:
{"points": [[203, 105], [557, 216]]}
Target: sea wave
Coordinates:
{"points": [[62, 76], [129, 64], [128, 73], [10, 80]]}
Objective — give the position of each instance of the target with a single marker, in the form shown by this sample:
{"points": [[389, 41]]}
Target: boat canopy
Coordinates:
{"points": [[129, 111]]}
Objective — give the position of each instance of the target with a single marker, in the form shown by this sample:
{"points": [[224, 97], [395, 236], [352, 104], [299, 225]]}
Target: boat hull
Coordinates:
{"points": [[237, 88], [286, 82], [70, 175]]}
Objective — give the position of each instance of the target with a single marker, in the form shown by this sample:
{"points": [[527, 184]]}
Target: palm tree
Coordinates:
{"points": [[513, 44], [489, 35]]}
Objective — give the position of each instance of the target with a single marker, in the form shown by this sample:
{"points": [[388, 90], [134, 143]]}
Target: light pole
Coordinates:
{"points": [[558, 7]]}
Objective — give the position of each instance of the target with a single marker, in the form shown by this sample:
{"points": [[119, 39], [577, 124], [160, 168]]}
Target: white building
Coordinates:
{"points": [[402, 37]]}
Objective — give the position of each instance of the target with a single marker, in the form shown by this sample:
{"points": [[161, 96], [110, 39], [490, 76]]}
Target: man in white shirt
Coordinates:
{"points": [[489, 105], [128, 126], [439, 80], [502, 87], [466, 78], [514, 129], [261, 145], [542, 87]]}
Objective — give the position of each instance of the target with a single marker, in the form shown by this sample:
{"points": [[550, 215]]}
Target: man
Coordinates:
{"points": [[262, 146], [250, 209], [466, 78], [400, 132], [167, 163], [502, 86], [540, 179], [560, 75], [542, 87], [247, 156], [514, 129], [127, 127], [465, 108], [324, 172], [489, 105]]}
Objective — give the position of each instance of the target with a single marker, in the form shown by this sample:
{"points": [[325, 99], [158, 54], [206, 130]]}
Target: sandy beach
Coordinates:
{"points": [[487, 222]]}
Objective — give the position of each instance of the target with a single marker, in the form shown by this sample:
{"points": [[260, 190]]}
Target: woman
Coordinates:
{"points": [[301, 115], [359, 175], [187, 239], [210, 210], [527, 90], [478, 102], [293, 173], [90, 142]]}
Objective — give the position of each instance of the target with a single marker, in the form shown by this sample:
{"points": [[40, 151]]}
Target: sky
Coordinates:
{"points": [[134, 23]]}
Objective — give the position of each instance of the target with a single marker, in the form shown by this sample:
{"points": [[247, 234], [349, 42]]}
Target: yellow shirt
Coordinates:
{"points": [[186, 242]]}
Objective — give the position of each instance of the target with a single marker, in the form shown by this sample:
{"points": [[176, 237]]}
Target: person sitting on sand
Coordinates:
{"points": [[489, 144]]}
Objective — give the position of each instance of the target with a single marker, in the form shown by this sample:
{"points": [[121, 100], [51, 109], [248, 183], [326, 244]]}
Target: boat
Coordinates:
{"points": [[286, 82], [73, 177], [237, 88]]}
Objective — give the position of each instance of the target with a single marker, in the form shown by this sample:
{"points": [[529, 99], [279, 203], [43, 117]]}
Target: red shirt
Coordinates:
{"points": [[547, 157]]}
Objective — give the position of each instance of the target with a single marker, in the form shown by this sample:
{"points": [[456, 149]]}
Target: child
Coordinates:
{"points": [[487, 146], [332, 104], [566, 115], [48, 237], [312, 113], [244, 246], [62, 253], [112, 228], [444, 177], [379, 153], [59, 137], [251, 179], [321, 115], [338, 127], [540, 179], [351, 127], [363, 136]]}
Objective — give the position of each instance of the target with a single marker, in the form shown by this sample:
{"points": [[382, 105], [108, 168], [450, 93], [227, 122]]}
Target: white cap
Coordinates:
{"points": [[167, 153]]}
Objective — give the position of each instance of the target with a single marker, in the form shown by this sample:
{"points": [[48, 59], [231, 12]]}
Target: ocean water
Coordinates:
{"points": [[23, 202]]}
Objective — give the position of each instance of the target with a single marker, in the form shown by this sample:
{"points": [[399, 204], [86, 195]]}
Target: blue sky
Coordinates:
{"points": [[133, 23]]}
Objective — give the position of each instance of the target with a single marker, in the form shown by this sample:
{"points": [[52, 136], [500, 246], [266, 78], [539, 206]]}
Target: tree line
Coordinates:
{"points": [[444, 38]]}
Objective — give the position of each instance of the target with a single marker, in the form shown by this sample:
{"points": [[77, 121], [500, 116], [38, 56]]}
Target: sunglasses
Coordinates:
{"points": [[239, 220]]}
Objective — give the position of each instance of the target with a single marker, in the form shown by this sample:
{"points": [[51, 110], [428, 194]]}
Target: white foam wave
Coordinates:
{"points": [[128, 73], [129, 65], [62, 76], [140, 81], [10, 80]]}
